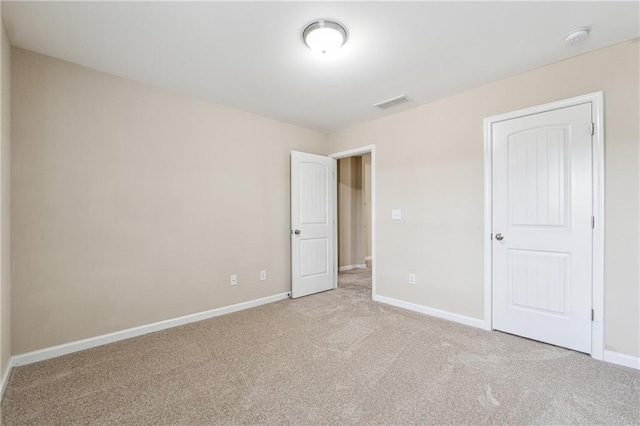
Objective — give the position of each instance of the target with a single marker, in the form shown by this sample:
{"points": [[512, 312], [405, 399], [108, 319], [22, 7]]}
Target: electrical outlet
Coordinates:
{"points": [[412, 278], [263, 275], [234, 280], [396, 214]]}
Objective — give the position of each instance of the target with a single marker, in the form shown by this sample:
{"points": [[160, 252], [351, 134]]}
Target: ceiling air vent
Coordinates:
{"points": [[390, 103]]}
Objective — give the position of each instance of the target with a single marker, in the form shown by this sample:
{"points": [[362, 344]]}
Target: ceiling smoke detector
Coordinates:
{"points": [[577, 35]]}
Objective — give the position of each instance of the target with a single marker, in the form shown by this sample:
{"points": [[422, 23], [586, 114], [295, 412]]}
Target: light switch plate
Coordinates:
{"points": [[396, 214]]}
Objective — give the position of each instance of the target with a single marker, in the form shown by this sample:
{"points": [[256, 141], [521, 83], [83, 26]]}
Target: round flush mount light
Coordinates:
{"points": [[324, 36], [577, 35]]}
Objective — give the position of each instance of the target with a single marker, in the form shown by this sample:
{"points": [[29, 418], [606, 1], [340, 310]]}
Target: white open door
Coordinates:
{"points": [[542, 226], [313, 186]]}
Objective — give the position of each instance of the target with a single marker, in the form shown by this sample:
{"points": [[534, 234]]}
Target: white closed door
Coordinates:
{"points": [[542, 227], [312, 223]]}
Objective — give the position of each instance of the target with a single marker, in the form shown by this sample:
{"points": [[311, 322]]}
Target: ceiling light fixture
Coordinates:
{"points": [[577, 35], [324, 36]]}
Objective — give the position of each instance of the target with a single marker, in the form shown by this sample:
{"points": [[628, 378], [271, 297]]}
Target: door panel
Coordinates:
{"points": [[313, 193], [314, 256], [538, 177], [538, 281], [542, 206], [312, 223]]}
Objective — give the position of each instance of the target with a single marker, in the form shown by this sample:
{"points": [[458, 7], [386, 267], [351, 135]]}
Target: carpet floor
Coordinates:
{"points": [[335, 357]]}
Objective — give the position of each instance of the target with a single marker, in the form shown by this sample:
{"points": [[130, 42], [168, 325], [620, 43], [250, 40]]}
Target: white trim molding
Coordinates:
{"points": [[622, 359], [5, 376], [596, 100], [449, 316], [351, 153], [350, 267], [92, 342]]}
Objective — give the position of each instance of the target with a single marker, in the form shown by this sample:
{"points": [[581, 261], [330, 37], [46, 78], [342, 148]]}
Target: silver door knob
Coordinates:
{"points": [[297, 232], [499, 236]]}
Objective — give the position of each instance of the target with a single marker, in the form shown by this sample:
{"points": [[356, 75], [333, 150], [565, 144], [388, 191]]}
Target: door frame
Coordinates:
{"points": [[346, 154], [596, 100]]}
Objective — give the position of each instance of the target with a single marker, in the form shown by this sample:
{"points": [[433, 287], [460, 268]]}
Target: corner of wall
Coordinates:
{"points": [[5, 207]]}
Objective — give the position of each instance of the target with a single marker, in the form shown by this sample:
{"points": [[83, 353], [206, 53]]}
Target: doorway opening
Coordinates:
{"points": [[354, 222], [355, 226]]}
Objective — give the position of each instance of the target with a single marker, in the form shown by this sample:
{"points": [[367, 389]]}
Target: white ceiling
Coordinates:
{"points": [[250, 55]]}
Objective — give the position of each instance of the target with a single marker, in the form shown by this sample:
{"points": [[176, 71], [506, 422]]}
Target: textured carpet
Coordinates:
{"points": [[356, 278], [335, 357]]}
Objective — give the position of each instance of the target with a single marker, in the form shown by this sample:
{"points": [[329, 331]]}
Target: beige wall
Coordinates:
{"points": [[350, 223], [5, 197], [429, 163], [133, 204]]}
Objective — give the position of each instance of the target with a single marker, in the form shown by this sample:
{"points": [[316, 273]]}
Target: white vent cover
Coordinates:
{"points": [[389, 103]]}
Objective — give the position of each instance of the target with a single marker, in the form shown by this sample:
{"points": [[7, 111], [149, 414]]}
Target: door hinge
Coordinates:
{"points": [[593, 129], [593, 315], [593, 222]]}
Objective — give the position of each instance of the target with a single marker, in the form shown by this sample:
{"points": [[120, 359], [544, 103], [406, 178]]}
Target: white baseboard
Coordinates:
{"points": [[622, 359], [350, 267], [473, 322], [5, 377], [368, 258], [92, 342]]}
